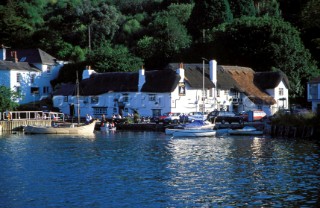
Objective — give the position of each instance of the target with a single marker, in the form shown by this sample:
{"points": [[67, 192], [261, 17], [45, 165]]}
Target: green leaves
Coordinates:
{"points": [[264, 44], [7, 99]]}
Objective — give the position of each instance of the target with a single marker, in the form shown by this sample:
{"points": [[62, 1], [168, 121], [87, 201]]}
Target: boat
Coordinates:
{"points": [[194, 133], [61, 129], [195, 125], [247, 130], [107, 128]]}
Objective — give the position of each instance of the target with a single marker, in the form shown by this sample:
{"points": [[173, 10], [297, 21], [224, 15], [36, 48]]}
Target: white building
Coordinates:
{"points": [[242, 89], [29, 72], [178, 88], [314, 94]]}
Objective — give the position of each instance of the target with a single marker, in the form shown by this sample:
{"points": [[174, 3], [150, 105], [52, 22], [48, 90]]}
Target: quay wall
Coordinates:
{"points": [[17, 125]]}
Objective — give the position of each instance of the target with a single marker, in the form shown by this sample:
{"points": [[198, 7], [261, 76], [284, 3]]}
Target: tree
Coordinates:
{"points": [[207, 14], [310, 22], [265, 44], [241, 8], [19, 19], [7, 98], [109, 58], [269, 8], [169, 37]]}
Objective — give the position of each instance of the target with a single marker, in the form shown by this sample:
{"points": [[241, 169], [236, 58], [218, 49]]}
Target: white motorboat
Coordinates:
{"points": [[195, 125], [194, 133], [247, 130]]}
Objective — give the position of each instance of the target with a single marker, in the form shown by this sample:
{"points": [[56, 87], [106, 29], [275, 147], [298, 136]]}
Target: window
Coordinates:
{"points": [[125, 98], [19, 77], [32, 78], [218, 93], [49, 68], [94, 99], [100, 111], [281, 92], [34, 90], [152, 97], [226, 92], [45, 90], [65, 99]]}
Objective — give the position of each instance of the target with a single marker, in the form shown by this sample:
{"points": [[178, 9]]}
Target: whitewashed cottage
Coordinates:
{"points": [[177, 88], [28, 72]]}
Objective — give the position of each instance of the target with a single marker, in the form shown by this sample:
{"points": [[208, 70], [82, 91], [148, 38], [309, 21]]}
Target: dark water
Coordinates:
{"points": [[150, 169]]}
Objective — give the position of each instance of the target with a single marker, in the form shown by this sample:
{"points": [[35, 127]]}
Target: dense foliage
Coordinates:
{"points": [[121, 35], [6, 99]]}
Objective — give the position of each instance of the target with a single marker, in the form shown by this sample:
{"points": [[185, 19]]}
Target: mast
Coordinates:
{"points": [[203, 92], [78, 102]]}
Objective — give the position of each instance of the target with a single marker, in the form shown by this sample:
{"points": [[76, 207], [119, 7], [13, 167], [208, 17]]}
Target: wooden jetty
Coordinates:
{"points": [[16, 120]]}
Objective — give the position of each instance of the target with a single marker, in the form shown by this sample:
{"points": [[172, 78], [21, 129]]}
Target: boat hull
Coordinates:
{"points": [[248, 133], [194, 133], [247, 130], [84, 129]]}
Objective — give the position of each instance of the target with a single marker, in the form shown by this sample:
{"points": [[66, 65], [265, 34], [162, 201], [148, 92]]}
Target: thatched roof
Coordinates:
{"points": [[242, 80], [155, 81], [100, 83], [10, 65], [193, 75], [160, 81], [65, 89], [270, 80]]}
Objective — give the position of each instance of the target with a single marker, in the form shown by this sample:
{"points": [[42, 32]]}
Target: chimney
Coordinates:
{"points": [[14, 56], [213, 71], [142, 78], [180, 71], [87, 72], [3, 52]]}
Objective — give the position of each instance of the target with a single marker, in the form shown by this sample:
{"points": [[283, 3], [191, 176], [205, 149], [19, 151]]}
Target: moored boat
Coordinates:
{"points": [[194, 133], [195, 125], [247, 130], [62, 129]]}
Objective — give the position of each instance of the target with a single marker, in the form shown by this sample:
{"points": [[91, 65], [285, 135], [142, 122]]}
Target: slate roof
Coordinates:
{"points": [[32, 56], [193, 75], [23, 66]]}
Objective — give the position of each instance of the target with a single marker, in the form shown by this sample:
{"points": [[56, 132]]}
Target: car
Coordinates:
{"points": [[224, 116], [197, 116], [172, 118], [257, 115], [161, 118]]}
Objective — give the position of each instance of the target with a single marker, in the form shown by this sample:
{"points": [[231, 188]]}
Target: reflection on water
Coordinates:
{"points": [[150, 169]]}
